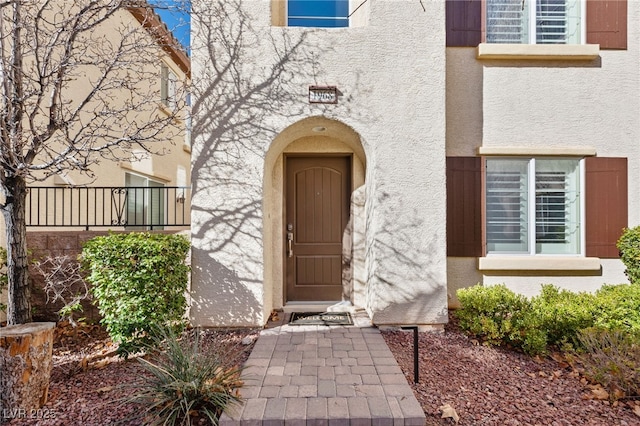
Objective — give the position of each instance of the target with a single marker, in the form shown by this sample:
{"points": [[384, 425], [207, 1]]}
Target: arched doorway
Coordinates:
{"points": [[326, 155]]}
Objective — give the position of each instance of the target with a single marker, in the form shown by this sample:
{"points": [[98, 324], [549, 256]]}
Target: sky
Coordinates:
{"points": [[173, 13]]}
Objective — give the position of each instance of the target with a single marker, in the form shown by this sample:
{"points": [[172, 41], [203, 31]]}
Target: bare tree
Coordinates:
{"points": [[64, 283], [78, 80]]}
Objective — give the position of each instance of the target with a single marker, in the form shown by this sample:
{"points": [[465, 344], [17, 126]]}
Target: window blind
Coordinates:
{"points": [[551, 207], [506, 21], [533, 206], [551, 22], [507, 206], [557, 206], [554, 21]]}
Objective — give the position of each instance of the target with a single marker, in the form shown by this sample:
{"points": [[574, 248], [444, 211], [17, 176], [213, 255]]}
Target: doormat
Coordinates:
{"points": [[321, 318]]}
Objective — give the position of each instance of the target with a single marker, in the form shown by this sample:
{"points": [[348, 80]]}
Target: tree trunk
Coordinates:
{"points": [[25, 357], [19, 306]]}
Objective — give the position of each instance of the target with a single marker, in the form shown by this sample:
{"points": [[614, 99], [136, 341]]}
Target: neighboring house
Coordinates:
{"points": [[148, 191], [156, 184], [447, 145]]}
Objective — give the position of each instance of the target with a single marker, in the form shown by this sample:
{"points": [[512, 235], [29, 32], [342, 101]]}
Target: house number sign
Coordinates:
{"points": [[323, 94]]}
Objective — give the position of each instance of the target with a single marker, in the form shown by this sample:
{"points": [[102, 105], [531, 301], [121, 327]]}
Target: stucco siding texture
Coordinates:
{"points": [[548, 104], [390, 75], [563, 104]]}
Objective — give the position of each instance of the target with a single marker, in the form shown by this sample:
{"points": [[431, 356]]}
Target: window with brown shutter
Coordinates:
{"points": [[606, 205], [606, 23], [464, 206]]}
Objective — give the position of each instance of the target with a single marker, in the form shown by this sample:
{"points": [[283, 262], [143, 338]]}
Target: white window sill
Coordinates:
{"points": [[548, 52], [538, 263]]}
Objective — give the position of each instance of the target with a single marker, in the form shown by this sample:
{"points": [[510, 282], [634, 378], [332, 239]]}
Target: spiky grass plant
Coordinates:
{"points": [[185, 383]]}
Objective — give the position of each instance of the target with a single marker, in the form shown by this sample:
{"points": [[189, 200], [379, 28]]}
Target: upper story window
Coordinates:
{"points": [[318, 13], [534, 21], [168, 87], [601, 22]]}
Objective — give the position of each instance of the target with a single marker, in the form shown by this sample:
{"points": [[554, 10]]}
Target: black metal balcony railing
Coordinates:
{"points": [[134, 208]]}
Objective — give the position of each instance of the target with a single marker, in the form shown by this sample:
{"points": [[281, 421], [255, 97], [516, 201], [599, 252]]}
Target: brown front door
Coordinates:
{"points": [[318, 190]]}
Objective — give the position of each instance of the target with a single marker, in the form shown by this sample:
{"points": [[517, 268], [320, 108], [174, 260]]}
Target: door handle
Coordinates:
{"points": [[290, 244], [289, 240]]}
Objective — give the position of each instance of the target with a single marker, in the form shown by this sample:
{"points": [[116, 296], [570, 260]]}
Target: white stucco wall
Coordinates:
{"points": [[559, 104], [390, 74]]}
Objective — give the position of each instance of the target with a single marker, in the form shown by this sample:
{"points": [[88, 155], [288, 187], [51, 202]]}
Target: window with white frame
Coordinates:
{"points": [[534, 21], [168, 87], [318, 13], [145, 203], [533, 206]]}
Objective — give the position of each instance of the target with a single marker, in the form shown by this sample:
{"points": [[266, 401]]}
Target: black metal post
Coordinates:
{"points": [[416, 357]]}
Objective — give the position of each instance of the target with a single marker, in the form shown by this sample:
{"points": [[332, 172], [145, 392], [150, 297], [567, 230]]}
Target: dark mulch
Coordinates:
{"points": [[484, 385], [90, 385], [495, 386]]}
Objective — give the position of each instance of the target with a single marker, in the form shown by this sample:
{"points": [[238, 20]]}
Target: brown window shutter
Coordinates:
{"points": [[607, 23], [464, 23], [606, 204], [464, 206]]}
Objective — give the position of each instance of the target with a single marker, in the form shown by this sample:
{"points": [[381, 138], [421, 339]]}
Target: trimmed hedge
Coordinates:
{"points": [[618, 307], [498, 316], [563, 313], [139, 281], [629, 246]]}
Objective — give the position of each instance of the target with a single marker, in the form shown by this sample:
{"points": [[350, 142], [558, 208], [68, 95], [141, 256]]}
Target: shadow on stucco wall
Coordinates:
{"points": [[242, 95], [229, 291], [406, 285]]}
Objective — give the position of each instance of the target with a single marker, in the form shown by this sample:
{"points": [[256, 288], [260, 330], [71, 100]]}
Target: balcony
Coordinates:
{"points": [[128, 208]]}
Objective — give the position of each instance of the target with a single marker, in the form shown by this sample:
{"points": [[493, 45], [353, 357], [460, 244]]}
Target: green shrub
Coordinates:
{"points": [[618, 307], [184, 381], [563, 313], [498, 316], [612, 358], [138, 280], [629, 246]]}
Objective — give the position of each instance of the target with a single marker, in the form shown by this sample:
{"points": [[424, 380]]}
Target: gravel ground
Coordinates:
{"points": [[90, 385], [494, 386], [484, 386]]}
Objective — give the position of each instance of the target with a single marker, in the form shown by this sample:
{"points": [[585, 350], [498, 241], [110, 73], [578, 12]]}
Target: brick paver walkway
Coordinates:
{"points": [[320, 375]]}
